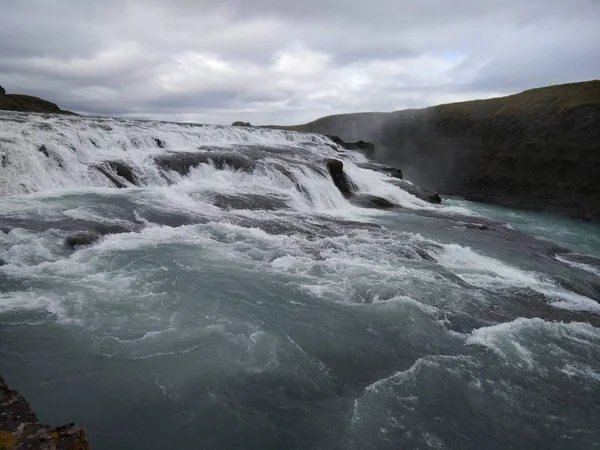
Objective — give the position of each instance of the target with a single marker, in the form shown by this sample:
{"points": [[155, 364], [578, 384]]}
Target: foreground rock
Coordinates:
{"points": [[20, 429], [27, 103], [535, 150]]}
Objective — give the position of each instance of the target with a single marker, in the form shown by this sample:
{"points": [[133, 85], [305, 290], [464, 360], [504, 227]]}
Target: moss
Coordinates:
{"points": [[557, 99], [8, 441]]}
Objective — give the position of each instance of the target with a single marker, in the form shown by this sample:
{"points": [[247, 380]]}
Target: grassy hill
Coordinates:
{"points": [[27, 103]]}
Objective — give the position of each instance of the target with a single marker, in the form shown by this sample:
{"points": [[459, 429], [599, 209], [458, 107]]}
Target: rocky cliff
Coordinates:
{"points": [[21, 430], [27, 103], [537, 150]]}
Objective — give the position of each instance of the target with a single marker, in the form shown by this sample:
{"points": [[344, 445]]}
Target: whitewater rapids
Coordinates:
{"points": [[244, 302]]}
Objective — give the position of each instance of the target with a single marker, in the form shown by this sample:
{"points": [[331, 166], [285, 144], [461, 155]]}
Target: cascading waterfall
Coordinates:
{"points": [[229, 295]]}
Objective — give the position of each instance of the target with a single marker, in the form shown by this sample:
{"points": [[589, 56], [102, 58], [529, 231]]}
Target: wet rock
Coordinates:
{"points": [[78, 240], [396, 173], [335, 167], [42, 149], [424, 254], [372, 201], [383, 168], [252, 202], [183, 162], [423, 194], [20, 428], [239, 123], [118, 172], [478, 226], [159, 143], [367, 148]]}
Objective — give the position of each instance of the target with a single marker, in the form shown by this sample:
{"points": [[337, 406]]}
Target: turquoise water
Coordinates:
{"points": [[576, 235]]}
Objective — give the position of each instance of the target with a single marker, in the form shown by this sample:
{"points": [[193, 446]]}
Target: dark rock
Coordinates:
{"points": [[372, 201], [20, 428], [118, 172], [425, 255], [239, 123], [423, 194], [183, 162], [252, 202], [335, 167], [81, 240], [2, 262], [159, 143], [396, 173], [478, 226], [2, 91], [44, 150], [366, 148], [69, 225]]}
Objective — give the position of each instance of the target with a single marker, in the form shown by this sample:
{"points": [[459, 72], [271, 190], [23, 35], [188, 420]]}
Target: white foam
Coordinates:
{"points": [[490, 273], [579, 265]]}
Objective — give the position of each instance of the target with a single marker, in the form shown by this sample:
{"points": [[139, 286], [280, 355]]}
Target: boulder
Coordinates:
{"points": [[372, 201], [335, 167], [117, 172], [78, 240], [423, 194], [2, 91]]}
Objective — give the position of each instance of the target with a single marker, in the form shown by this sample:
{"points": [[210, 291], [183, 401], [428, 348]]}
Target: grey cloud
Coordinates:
{"points": [[271, 61]]}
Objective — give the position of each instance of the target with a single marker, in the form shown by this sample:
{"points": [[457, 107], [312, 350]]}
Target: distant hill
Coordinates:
{"points": [[27, 103], [537, 150]]}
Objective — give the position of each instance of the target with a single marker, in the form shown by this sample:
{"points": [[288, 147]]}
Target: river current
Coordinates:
{"points": [[244, 302]]}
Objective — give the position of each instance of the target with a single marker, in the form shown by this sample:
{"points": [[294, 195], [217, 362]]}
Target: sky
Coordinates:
{"points": [[289, 62]]}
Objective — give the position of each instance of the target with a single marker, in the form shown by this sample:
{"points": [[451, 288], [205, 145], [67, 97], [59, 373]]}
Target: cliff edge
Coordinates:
{"points": [[27, 103], [537, 150]]}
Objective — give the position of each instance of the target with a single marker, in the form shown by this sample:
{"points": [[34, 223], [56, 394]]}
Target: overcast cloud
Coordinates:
{"points": [[285, 62]]}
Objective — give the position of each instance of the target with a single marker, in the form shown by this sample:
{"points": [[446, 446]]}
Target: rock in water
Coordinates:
{"points": [[81, 240], [372, 201], [397, 173], [183, 162], [116, 171], [335, 167], [367, 148], [20, 428], [423, 194]]}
